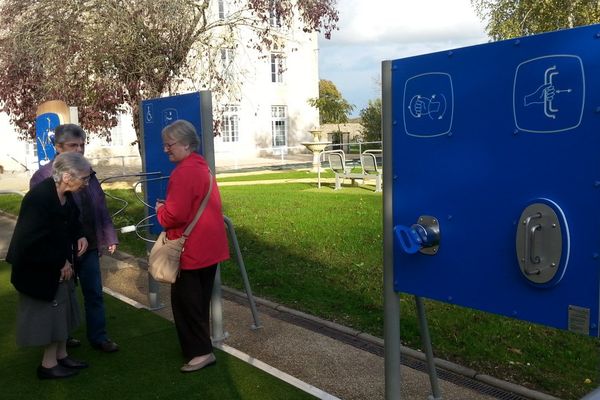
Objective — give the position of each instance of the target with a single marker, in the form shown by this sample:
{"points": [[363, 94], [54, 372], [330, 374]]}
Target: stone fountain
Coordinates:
{"points": [[316, 147]]}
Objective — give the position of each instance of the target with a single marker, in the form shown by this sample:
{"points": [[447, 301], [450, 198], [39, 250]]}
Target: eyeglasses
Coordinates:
{"points": [[169, 145], [84, 179], [73, 145]]}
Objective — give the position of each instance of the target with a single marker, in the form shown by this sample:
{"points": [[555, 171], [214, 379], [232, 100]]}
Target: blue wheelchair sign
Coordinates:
{"points": [[156, 114]]}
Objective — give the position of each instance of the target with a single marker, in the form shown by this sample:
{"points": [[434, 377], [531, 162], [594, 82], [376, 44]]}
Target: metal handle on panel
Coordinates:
{"points": [[423, 236], [529, 244], [542, 242]]}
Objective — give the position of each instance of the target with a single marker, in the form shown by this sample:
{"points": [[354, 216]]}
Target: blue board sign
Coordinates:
{"points": [[497, 147], [158, 113], [44, 132]]}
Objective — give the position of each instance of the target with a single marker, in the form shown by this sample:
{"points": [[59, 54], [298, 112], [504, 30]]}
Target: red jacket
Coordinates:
{"points": [[188, 184]]}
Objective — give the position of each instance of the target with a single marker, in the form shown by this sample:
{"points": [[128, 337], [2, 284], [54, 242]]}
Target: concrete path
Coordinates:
{"points": [[340, 361]]}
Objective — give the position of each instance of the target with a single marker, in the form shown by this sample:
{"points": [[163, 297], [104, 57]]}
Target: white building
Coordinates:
{"points": [[266, 115]]}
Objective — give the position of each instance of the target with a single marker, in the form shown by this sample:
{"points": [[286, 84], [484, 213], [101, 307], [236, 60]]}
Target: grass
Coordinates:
{"points": [[146, 367], [320, 251], [288, 175]]}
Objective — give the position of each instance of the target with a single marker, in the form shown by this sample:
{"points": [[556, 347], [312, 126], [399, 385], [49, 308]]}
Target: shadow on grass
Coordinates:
{"points": [[301, 281]]}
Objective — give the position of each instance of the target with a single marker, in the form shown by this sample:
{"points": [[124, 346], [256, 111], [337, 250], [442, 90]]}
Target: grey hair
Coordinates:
{"points": [[72, 163], [183, 132], [65, 132]]}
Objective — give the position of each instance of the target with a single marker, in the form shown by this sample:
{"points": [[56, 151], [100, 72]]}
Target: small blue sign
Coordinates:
{"points": [[44, 132]]}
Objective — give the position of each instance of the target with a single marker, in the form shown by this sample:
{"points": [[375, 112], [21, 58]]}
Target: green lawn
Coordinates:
{"points": [[288, 175], [320, 251], [146, 366]]}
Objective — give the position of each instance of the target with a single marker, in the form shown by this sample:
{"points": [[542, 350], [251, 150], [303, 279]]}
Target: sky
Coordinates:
{"points": [[371, 31]]}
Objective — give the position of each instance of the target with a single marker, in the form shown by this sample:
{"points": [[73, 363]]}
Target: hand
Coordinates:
{"points": [[159, 204], [66, 272], [542, 94], [111, 249], [82, 245]]}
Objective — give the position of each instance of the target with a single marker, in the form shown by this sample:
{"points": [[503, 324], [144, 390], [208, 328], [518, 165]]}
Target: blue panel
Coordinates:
{"points": [[480, 133], [158, 113], [44, 132]]}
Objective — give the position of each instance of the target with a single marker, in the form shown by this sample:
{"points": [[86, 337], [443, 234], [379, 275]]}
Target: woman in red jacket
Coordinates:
{"points": [[205, 247]]}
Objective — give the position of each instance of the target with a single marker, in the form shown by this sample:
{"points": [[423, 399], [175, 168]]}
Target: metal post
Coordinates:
{"points": [[391, 301], [216, 310], [319, 173], [153, 287], [426, 343], [242, 268], [208, 147]]}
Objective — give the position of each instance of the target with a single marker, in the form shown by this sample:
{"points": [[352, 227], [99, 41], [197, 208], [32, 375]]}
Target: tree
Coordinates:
{"points": [[105, 56], [370, 119], [512, 18], [333, 108]]}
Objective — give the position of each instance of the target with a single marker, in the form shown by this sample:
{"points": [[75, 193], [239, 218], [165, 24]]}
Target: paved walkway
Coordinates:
{"points": [[342, 362]]}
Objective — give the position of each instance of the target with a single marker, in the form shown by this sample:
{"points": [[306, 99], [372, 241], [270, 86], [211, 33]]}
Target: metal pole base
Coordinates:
{"points": [[153, 301], [218, 341]]}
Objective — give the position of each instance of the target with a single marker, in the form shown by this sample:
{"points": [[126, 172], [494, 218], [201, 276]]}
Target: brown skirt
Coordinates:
{"points": [[40, 323]]}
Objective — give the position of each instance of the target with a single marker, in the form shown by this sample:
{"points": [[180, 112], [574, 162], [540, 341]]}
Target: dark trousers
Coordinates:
{"points": [[190, 301], [90, 279]]}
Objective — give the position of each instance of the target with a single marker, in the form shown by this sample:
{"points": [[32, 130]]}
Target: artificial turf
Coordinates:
{"points": [[146, 366]]}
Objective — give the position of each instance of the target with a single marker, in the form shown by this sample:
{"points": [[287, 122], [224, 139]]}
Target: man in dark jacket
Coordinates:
{"points": [[99, 231]]}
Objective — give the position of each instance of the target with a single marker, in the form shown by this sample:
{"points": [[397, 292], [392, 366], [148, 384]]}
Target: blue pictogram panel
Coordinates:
{"points": [[495, 195], [44, 132], [158, 113]]}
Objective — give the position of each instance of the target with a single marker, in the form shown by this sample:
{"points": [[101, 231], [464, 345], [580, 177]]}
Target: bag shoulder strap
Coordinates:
{"points": [[189, 228]]}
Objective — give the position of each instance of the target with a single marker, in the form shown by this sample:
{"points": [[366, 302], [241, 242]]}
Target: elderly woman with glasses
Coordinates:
{"points": [[205, 247], [98, 230], [46, 238]]}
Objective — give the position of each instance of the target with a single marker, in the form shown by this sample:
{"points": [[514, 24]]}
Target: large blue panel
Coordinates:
{"points": [[158, 113], [479, 133]]}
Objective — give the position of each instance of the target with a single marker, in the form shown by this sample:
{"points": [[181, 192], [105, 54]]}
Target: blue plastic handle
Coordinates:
{"points": [[408, 239]]}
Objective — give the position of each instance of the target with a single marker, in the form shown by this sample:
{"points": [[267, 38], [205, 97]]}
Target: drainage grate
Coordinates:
{"points": [[449, 376]]}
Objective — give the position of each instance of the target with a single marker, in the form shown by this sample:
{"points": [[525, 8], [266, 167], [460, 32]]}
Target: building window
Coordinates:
{"points": [[223, 9], [277, 67], [116, 133], [274, 17], [227, 61], [231, 132], [279, 125]]}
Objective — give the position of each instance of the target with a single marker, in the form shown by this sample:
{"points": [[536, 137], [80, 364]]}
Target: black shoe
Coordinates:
{"points": [[56, 372], [72, 363], [72, 342], [108, 346]]}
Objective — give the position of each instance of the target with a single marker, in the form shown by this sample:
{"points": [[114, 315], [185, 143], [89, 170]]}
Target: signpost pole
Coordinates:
{"points": [[391, 301]]}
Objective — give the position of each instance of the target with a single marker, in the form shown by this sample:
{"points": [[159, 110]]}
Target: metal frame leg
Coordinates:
{"points": [[426, 340], [378, 183], [218, 334], [338, 184], [242, 268]]}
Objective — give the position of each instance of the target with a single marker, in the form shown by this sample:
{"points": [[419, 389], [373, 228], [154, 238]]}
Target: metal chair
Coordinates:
{"points": [[368, 163]]}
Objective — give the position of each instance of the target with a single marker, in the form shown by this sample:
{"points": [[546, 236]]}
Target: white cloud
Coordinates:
{"points": [[374, 30]]}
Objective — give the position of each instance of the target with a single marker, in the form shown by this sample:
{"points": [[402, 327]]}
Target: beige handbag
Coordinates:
{"points": [[166, 254]]}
